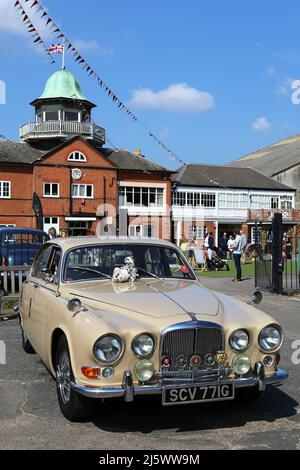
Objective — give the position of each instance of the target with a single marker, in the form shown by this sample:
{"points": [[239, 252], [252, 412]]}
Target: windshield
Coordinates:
{"points": [[100, 261]]}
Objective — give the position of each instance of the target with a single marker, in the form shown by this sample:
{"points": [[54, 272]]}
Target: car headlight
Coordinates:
{"points": [[239, 340], [143, 345], [270, 338], [241, 364], [108, 349]]}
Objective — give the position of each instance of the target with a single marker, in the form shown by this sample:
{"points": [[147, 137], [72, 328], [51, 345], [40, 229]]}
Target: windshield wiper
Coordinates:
{"points": [[147, 272], [89, 270]]}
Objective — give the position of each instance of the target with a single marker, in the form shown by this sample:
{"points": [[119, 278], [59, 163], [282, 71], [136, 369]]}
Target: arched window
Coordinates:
{"points": [[77, 157]]}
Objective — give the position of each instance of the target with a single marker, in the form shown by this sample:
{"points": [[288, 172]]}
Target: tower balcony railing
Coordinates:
{"points": [[57, 129]]}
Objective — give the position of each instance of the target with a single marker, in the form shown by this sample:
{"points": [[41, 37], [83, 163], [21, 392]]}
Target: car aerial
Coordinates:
{"points": [[105, 334]]}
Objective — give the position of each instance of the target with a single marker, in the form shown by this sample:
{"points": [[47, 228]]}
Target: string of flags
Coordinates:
{"points": [[68, 46], [33, 31], [55, 29]]}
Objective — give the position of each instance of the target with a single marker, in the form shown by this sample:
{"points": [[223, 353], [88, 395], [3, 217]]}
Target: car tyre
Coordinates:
{"points": [[73, 406], [26, 343], [247, 395]]}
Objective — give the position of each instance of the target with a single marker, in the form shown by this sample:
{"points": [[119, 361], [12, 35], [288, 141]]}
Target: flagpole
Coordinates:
{"points": [[63, 56]]}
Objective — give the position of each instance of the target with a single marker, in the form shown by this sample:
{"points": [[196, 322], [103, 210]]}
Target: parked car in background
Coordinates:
{"points": [[18, 246], [127, 317]]}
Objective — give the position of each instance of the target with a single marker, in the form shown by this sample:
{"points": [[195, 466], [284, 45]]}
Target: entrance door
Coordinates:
{"points": [[50, 222]]}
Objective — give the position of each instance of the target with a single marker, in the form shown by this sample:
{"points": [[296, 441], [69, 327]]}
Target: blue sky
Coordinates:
{"points": [[212, 79]]}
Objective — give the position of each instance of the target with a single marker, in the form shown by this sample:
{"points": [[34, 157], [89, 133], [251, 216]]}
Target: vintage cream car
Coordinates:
{"points": [[161, 333]]}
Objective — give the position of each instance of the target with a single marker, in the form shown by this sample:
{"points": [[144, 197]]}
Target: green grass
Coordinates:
{"points": [[247, 270]]}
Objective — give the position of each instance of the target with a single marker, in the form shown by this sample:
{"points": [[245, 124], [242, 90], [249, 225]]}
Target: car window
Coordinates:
{"points": [[96, 262], [42, 262]]}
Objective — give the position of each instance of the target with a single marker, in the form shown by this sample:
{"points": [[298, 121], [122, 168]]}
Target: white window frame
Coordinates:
{"points": [[85, 191], [198, 231], [2, 183], [159, 193], [82, 157], [51, 195]]}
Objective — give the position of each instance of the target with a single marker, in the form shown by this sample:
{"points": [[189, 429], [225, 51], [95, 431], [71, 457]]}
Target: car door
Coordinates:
{"points": [[43, 285]]}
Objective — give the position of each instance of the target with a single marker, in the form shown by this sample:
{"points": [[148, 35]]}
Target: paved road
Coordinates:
{"points": [[30, 418]]}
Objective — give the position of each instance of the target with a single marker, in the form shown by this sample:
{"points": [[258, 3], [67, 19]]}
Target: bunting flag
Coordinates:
{"points": [[37, 39], [80, 60]]}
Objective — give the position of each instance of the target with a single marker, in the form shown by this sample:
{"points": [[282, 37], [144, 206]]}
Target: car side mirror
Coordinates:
{"points": [[256, 297], [74, 305]]}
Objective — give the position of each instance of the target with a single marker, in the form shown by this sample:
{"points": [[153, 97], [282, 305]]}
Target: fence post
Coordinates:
{"points": [[277, 263]]}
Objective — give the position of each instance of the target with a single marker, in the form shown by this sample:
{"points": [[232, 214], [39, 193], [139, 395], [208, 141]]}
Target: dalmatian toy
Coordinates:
{"points": [[126, 273]]}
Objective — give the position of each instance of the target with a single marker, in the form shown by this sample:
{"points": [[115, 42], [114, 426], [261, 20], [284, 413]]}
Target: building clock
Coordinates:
{"points": [[76, 174]]}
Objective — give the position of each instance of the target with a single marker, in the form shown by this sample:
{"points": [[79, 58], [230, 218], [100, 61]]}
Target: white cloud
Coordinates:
{"points": [[261, 124], [104, 51], [177, 97], [11, 20]]}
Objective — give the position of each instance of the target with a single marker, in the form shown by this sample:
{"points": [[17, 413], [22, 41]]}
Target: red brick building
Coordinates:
{"points": [[62, 159]]}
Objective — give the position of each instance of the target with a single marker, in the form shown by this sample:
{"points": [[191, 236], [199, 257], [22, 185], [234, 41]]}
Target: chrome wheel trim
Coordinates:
{"points": [[63, 377]]}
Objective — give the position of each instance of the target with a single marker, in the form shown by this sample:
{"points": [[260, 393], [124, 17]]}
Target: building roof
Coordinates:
{"points": [[213, 176], [19, 152], [125, 160], [273, 159], [63, 84]]}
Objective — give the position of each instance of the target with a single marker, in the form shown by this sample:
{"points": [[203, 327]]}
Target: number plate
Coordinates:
{"points": [[182, 395]]}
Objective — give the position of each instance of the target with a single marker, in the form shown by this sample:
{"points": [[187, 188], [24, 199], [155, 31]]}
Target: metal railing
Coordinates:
{"points": [[61, 128], [12, 278], [266, 215]]}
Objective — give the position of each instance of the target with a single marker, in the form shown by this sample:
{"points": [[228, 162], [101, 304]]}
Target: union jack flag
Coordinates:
{"points": [[56, 49]]}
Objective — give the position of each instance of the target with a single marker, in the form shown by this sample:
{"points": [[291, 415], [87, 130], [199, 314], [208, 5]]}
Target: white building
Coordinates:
{"points": [[209, 198]]}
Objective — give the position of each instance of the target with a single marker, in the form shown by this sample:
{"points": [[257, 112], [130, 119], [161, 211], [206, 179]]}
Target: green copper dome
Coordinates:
{"points": [[63, 84]]}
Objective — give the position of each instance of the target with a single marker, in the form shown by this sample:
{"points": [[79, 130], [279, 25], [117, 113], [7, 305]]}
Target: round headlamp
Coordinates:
{"points": [[239, 340], [270, 338], [143, 345], [241, 364], [108, 349], [144, 370]]}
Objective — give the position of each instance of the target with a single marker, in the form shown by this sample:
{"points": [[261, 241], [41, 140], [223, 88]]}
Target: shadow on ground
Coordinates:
{"points": [[146, 415]]}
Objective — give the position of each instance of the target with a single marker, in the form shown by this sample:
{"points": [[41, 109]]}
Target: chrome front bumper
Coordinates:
{"points": [[128, 391]]}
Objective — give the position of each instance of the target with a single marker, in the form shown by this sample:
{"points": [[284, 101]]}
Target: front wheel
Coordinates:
{"points": [[247, 395], [73, 406]]}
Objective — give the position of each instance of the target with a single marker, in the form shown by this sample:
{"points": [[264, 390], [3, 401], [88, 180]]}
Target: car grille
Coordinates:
{"points": [[184, 343]]}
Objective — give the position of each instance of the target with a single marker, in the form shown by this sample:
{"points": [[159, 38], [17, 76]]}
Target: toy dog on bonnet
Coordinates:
{"points": [[126, 273]]}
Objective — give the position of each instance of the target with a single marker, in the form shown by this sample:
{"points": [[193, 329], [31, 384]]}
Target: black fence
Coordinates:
{"points": [[279, 271]]}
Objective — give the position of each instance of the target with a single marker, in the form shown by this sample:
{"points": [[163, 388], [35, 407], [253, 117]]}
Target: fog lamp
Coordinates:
{"points": [[241, 364], [144, 370]]}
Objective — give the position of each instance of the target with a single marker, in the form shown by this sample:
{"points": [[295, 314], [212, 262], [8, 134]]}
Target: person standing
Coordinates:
{"points": [[230, 245], [223, 245], [190, 252], [236, 254], [53, 233], [209, 245]]}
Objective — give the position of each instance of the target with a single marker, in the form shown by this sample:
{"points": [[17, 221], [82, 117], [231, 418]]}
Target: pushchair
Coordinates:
{"points": [[216, 261]]}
